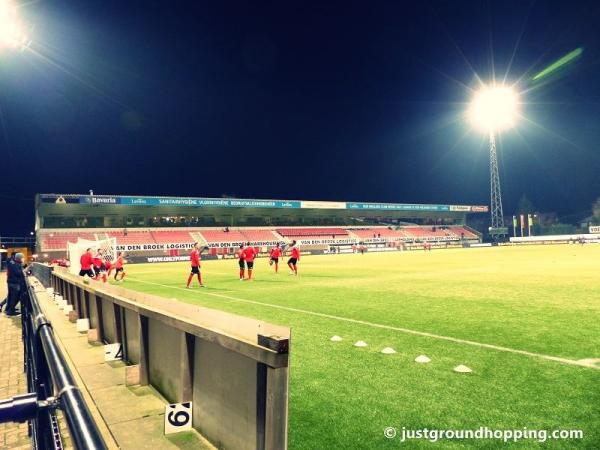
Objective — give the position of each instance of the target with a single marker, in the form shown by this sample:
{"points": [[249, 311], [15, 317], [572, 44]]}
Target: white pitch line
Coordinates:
{"points": [[572, 362]]}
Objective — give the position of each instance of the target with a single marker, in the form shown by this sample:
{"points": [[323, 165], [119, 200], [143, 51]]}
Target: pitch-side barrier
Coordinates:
{"points": [[51, 386], [557, 239], [226, 374]]}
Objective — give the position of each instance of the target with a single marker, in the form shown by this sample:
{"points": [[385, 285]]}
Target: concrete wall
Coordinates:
{"points": [[225, 385], [239, 389], [42, 272], [93, 310], [109, 331], [132, 333], [165, 359]]}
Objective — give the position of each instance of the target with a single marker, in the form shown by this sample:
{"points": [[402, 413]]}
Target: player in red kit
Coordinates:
{"points": [[240, 255], [195, 262], [99, 266], [249, 254], [109, 267], [86, 262], [295, 257], [119, 266], [275, 254]]}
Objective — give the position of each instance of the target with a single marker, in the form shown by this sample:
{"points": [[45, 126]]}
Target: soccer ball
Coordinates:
{"points": [[270, 262]]}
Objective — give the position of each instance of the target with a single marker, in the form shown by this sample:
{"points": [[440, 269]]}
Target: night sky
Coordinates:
{"points": [[328, 100]]}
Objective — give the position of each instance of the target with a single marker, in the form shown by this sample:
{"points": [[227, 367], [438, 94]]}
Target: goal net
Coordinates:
{"points": [[76, 249]]}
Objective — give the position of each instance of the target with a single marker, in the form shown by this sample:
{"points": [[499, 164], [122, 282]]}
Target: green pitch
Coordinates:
{"points": [[544, 300]]}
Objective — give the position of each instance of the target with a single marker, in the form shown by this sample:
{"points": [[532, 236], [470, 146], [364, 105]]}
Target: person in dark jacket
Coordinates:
{"points": [[16, 284], [12, 255]]}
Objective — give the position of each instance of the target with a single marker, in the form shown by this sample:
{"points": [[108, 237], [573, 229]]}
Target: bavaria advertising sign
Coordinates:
{"points": [[198, 202]]}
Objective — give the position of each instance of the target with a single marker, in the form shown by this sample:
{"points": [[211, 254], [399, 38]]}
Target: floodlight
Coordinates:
{"points": [[13, 32], [494, 108]]}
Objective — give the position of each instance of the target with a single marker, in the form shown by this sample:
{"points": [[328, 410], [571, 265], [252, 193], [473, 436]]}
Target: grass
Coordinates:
{"points": [[543, 299]]}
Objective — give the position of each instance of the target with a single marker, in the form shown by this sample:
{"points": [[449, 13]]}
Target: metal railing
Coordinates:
{"points": [[51, 386]]}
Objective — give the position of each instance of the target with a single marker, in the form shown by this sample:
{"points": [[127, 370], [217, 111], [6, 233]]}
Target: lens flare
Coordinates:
{"points": [[558, 64], [13, 32]]}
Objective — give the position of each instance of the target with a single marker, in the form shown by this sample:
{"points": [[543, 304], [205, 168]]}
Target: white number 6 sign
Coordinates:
{"points": [[178, 417]]}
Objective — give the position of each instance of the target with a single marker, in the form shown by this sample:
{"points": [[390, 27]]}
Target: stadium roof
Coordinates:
{"points": [[200, 202]]}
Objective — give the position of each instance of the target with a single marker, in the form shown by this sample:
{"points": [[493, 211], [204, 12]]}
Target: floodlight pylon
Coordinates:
{"points": [[497, 215]]}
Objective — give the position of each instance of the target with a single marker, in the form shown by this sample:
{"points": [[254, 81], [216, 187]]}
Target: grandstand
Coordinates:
{"points": [[155, 226], [372, 233]]}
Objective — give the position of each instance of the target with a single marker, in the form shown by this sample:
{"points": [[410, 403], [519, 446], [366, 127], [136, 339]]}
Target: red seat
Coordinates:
{"points": [[132, 237], [223, 236], [58, 240], [369, 233], [288, 232], [172, 237], [259, 235], [427, 232]]}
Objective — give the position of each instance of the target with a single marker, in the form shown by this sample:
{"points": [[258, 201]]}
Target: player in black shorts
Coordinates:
{"points": [[275, 254], [249, 254], [87, 262], [240, 255], [295, 257], [118, 265], [99, 266]]}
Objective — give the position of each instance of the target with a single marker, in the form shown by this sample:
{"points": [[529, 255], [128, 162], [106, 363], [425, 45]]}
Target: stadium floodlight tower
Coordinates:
{"points": [[493, 109]]}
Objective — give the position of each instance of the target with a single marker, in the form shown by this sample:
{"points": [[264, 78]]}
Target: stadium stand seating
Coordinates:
{"points": [[260, 235], [308, 232], [132, 237], [171, 237], [367, 233], [58, 241], [223, 236], [468, 234], [428, 233]]}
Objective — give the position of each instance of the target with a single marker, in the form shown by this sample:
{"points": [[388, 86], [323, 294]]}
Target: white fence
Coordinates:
{"points": [[558, 238]]}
